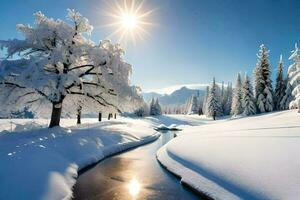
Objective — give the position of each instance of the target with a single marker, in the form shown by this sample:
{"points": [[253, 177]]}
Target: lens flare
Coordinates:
{"points": [[128, 19]]}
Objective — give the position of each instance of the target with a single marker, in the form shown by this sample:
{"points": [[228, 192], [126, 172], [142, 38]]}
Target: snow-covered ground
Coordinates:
{"points": [[247, 158], [18, 125], [43, 163], [37, 162]]}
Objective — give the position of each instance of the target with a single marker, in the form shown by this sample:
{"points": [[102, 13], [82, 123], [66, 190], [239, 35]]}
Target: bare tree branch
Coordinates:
{"points": [[32, 101], [82, 66], [23, 87], [88, 95]]}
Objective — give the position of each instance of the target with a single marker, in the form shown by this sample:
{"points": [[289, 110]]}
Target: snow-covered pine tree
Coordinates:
{"points": [[223, 95], [193, 105], [288, 97], [222, 92], [152, 107], [228, 100], [214, 107], [280, 85], [263, 82], [294, 78], [204, 105], [157, 107], [248, 101], [236, 107], [187, 105], [142, 111]]}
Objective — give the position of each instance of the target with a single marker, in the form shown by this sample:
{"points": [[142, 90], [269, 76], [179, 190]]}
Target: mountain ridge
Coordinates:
{"points": [[177, 97]]}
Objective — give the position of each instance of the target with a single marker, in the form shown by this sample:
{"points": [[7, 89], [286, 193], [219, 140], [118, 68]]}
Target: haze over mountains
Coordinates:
{"points": [[177, 97]]}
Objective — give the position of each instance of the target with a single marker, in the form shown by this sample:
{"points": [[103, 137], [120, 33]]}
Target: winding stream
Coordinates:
{"points": [[135, 174]]}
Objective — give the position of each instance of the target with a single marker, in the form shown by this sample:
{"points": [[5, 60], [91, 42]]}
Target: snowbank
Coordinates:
{"points": [[43, 163], [248, 158], [162, 127]]}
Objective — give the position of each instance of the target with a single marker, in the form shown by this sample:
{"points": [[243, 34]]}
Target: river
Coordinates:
{"points": [[132, 175]]}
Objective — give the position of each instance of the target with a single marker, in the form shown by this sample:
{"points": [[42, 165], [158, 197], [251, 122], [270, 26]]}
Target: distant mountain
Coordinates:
{"points": [[149, 95], [178, 97], [170, 89]]}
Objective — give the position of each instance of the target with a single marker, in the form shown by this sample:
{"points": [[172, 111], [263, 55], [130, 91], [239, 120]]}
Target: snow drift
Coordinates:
{"points": [[43, 163], [248, 158]]}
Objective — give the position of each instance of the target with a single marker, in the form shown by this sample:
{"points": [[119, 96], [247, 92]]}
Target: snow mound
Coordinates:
{"points": [[162, 127]]}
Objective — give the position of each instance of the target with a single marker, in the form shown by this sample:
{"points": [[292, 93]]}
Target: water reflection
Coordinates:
{"points": [[134, 187], [133, 175]]}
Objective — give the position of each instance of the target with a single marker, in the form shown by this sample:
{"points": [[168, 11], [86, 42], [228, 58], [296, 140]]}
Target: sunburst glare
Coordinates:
{"points": [[134, 187], [129, 20]]}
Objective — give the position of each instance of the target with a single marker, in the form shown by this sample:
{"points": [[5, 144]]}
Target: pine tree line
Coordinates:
{"points": [[155, 108], [247, 100], [217, 101]]}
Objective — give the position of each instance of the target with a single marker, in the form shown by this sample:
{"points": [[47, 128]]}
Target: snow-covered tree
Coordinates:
{"points": [[158, 107], [237, 107], [227, 102], [263, 82], [56, 63], [187, 105], [214, 107], [288, 97], [223, 95], [152, 107], [22, 114], [294, 78], [128, 97], [193, 105], [142, 111], [155, 108], [200, 105], [248, 100], [280, 85], [204, 105], [222, 91]]}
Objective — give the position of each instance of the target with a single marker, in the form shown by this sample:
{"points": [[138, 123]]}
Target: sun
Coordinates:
{"points": [[128, 19]]}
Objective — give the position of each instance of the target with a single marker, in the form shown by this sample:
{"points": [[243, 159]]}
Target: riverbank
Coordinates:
{"points": [[51, 158], [43, 163], [247, 158], [134, 174]]}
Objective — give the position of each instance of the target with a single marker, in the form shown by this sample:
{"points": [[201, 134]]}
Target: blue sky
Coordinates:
{"points": [[193, 40]]}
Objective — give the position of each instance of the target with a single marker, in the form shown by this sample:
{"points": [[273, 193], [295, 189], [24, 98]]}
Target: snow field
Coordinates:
{"points": [[43, 163], [247, 158]]}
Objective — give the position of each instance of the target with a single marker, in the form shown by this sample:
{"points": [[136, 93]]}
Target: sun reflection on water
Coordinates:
{"points": [[134, 187]]}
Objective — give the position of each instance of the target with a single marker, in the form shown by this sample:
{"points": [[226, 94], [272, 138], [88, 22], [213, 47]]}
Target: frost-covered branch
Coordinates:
{"points": [[23, 87]]}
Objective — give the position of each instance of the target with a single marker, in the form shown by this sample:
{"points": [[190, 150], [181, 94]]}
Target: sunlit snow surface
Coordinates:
{"points": [[44, 162], [248, 158], [37, 162]]}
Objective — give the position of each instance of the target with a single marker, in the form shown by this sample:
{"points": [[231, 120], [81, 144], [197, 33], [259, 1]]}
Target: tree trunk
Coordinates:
{"points": [[100, 117], [56, 114], [200, 111], [108, 118], [115, 116], [79, 115]]}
